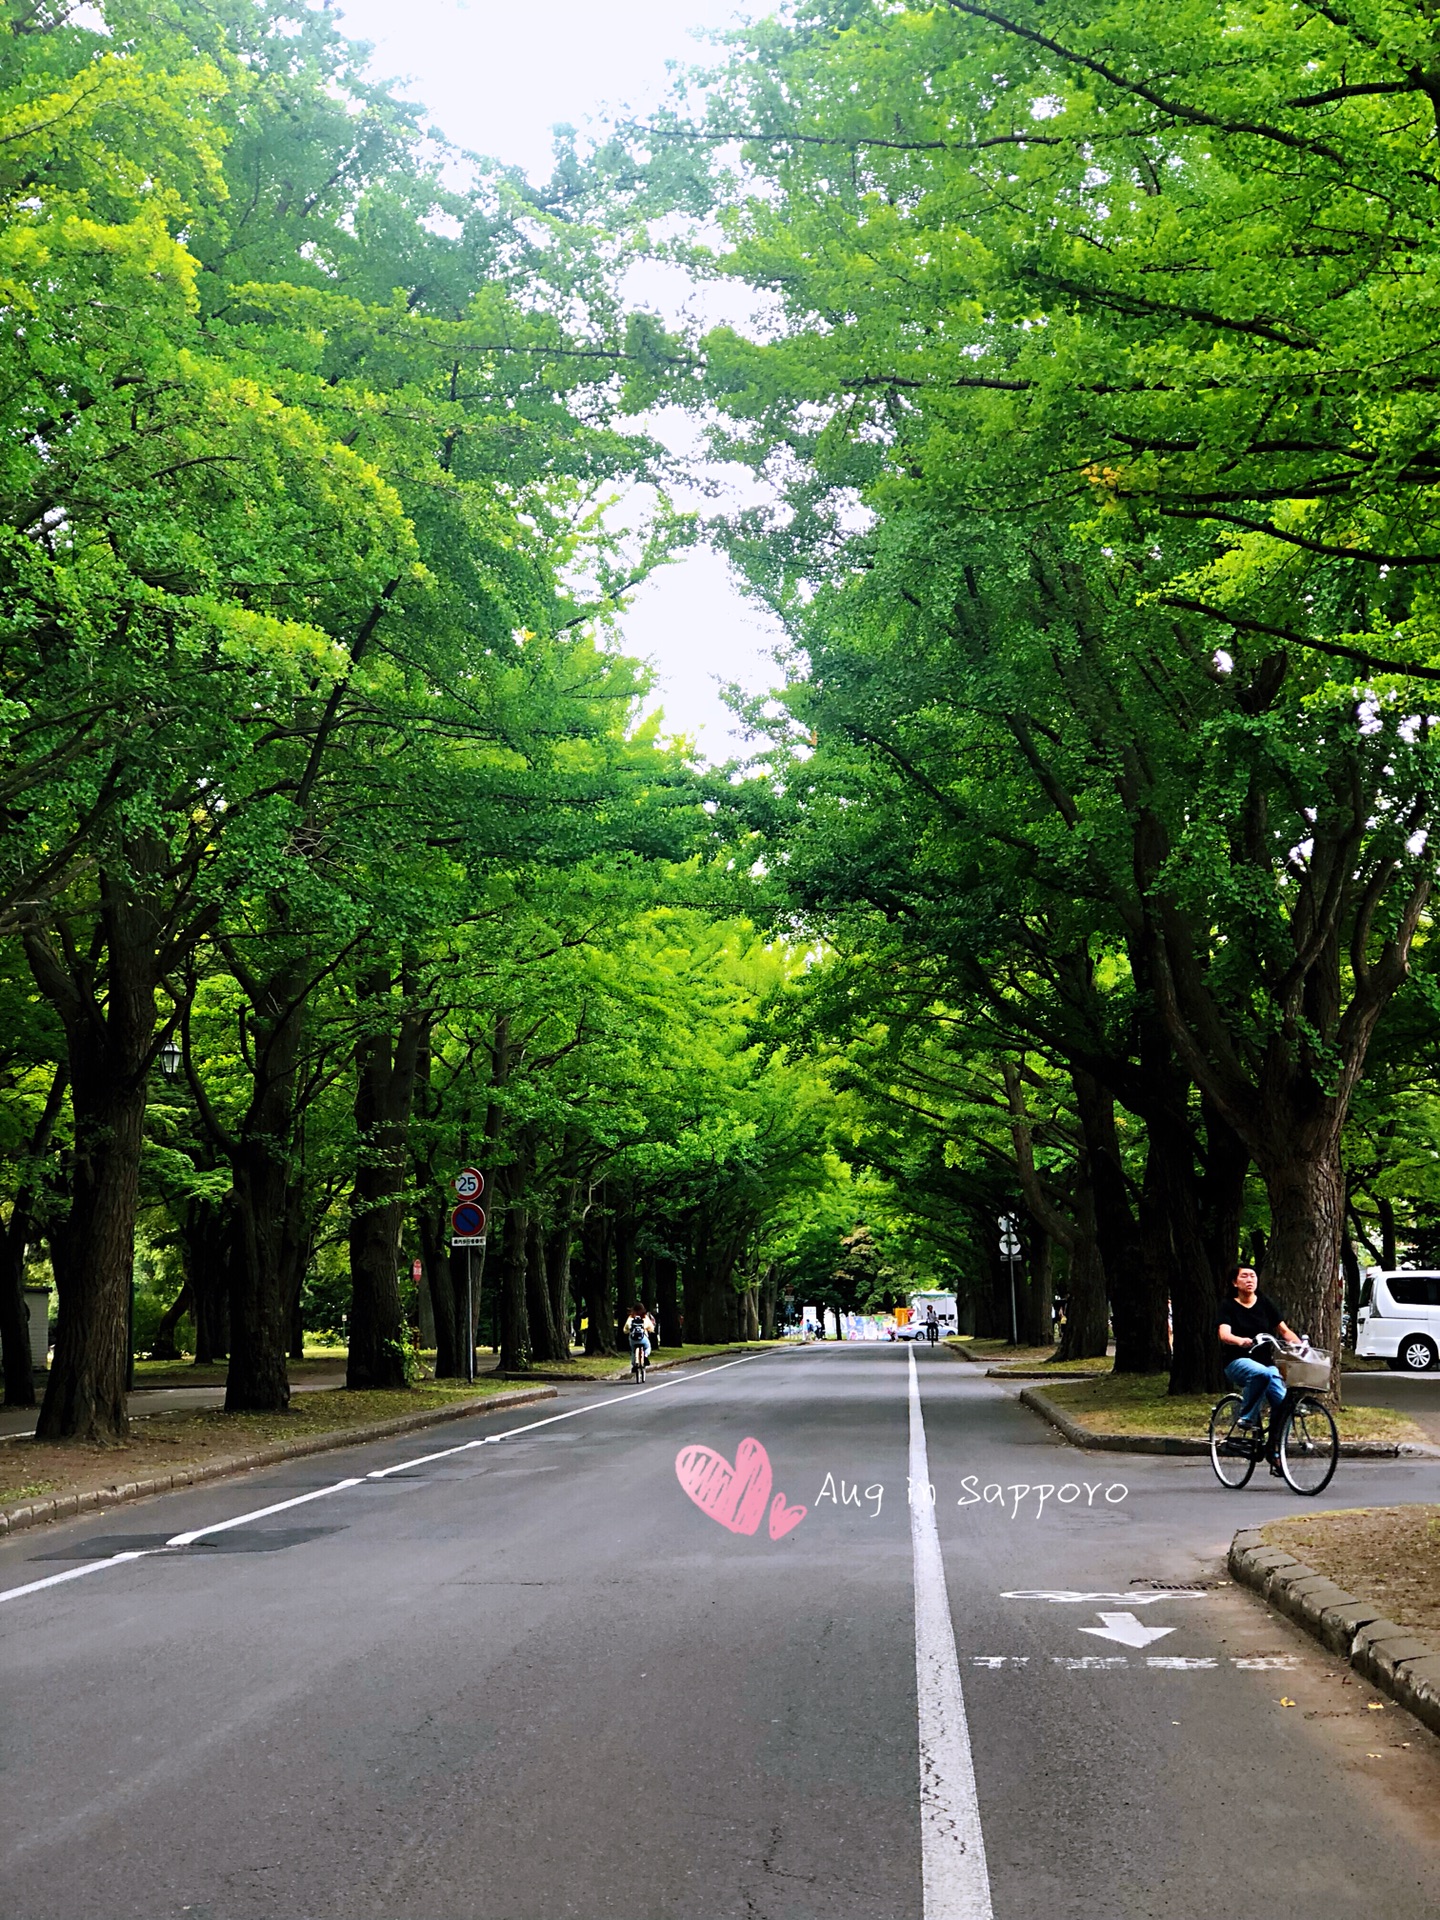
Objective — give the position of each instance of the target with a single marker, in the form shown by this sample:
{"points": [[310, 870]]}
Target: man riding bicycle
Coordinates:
{"points": [[1246, 1318]]}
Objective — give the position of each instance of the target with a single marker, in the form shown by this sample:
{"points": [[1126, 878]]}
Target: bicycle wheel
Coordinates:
{"points": [[1309, 1447], [1232, 1451]]}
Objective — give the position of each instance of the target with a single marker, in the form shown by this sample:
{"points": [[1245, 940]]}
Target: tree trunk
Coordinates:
{"points": [[447, 1299], [204, 1240], [769, 1288], [93, 1249], [513, 1342], [1086, 1332], [667, 1295], [19, 1231], [163, 1346], [1136, 1287], [1039, 1325], [599, 1314], [1350, 1268], [558, 1245], [548, 1342], [1389, 1251], [258, 1379], [385, 1076], [1306, 1191]]}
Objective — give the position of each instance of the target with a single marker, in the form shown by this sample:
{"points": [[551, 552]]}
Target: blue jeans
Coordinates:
{"points": [[1252, 1380]]}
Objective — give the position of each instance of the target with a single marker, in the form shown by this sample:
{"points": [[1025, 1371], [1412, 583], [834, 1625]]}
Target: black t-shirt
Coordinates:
{"points": [[1248, 1323]]}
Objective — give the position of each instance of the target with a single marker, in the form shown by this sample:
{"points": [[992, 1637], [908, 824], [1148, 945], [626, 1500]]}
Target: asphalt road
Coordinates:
{"points": [[533, 1679]]}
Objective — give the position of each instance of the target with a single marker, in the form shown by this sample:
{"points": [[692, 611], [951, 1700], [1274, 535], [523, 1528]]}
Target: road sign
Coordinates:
{"points": [[467, 1221], [469, 1184], [467, 1240]]}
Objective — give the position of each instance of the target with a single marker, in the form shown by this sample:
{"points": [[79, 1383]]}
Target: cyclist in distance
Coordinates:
{"points": [[1244, 1318], [638, 1328]]}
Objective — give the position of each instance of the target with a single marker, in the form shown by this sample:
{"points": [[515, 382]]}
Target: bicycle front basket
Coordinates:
{"points": [[1310, 1369]]}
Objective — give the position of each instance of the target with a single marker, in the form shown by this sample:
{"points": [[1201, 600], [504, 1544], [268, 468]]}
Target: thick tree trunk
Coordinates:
{"points": [[769, 1289], [204, 1242], [15, 1239], [667, 1295], [93, 1249], [513, 1333], [1136, 1286], [559, 1242], [1086, 1333], [1039, 1324], [548, 1341], [447, 1300], [14, 1315], [386, 1066], [1306, 1191], [258, 1379], [599, 1312], [163, 1346]]}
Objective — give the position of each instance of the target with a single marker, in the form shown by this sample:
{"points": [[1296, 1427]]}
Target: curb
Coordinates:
{"points": [[1394, 1661], [1079, 1436], [65, 1506], [1037, 1373]]}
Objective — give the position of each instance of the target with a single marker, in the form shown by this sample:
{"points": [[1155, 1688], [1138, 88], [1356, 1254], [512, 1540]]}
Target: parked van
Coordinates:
{"points": [[1399, 1319]]}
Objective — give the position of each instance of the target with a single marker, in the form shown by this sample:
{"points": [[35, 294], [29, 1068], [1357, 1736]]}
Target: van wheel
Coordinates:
{"points": [[1417, 1354]]}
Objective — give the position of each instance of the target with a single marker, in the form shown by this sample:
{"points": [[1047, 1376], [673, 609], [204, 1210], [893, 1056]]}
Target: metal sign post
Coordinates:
{"points": [[1010, 1246], [467, 1229]]}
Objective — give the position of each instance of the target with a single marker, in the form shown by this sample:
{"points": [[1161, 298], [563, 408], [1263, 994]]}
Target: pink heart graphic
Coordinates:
{"points": [[784, 1519], [735, 1496]]}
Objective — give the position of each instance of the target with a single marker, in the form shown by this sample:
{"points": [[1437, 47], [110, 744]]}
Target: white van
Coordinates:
{"points": [[1399, 1318]]}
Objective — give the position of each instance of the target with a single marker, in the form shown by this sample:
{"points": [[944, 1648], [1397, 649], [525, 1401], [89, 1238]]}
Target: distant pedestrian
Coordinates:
{"points": [[932, 1326]]}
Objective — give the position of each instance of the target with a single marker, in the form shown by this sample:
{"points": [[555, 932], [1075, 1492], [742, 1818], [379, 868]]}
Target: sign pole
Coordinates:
{"points": [[469, 1317]]}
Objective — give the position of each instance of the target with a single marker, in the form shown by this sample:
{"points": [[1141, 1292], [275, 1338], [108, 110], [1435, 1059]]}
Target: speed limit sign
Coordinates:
{"points": [[470, 1184]]}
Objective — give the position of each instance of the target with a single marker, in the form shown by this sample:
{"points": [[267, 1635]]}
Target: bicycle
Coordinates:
{"points": [[639, 1361], [1308, 1445]]}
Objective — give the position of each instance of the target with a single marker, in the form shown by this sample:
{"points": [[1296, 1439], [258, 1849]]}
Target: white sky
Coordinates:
{"points": [[495, 78]]}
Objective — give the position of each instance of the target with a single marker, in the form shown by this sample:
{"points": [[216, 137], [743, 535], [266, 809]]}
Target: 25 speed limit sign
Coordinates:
{"points": [[470, 1184]]}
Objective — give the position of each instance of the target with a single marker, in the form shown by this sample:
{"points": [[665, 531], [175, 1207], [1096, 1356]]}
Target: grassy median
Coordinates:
{"points": [[1387, 1555], [163, 1443], [1140, 1403]]}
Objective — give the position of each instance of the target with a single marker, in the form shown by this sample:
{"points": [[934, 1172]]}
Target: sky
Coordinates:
{"points": [[495, 77]]}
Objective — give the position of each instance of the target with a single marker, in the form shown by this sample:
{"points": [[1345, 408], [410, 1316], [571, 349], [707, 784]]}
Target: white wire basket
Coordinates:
{"points": [[1309, 1367]]}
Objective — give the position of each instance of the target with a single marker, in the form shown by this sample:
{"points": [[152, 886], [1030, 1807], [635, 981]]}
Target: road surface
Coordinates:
{"points": [[510, 1669]]}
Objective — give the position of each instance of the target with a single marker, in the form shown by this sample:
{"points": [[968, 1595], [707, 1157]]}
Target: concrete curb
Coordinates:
{"points": [[65, 1506], [1037, 1373], [1394, 1661], [1079, 1436]]}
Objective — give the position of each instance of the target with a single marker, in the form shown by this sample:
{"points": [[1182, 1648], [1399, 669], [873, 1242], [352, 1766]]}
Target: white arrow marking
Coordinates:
{"points": [[1127, 1629]]}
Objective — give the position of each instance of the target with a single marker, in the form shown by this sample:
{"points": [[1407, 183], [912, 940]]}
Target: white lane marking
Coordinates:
{"points": [[1263, 1662], [493, 1439], [1160, 1662], [258, 1513], [1182, 1663], [1127, 1629], [338, 1486], [955, 1880], [1087, 1662], [75, 1573], [1090, 1599]]}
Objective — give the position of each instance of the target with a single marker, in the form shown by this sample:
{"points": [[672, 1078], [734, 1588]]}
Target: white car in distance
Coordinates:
{"points": [[1399, 1318]]}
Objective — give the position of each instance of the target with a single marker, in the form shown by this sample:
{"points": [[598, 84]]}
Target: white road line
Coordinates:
{"points": [[952, 1849], [75, 1573], [510, 1433], [339, 1486], [259, 1513]]}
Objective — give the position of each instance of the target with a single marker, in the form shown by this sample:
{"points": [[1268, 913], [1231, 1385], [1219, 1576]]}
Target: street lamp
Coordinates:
{"points": [[170, 1059]]}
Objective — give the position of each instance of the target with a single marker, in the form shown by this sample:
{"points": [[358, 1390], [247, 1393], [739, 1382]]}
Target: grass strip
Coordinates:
{"points": [[1140, 1403], [1387, 1555]]}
